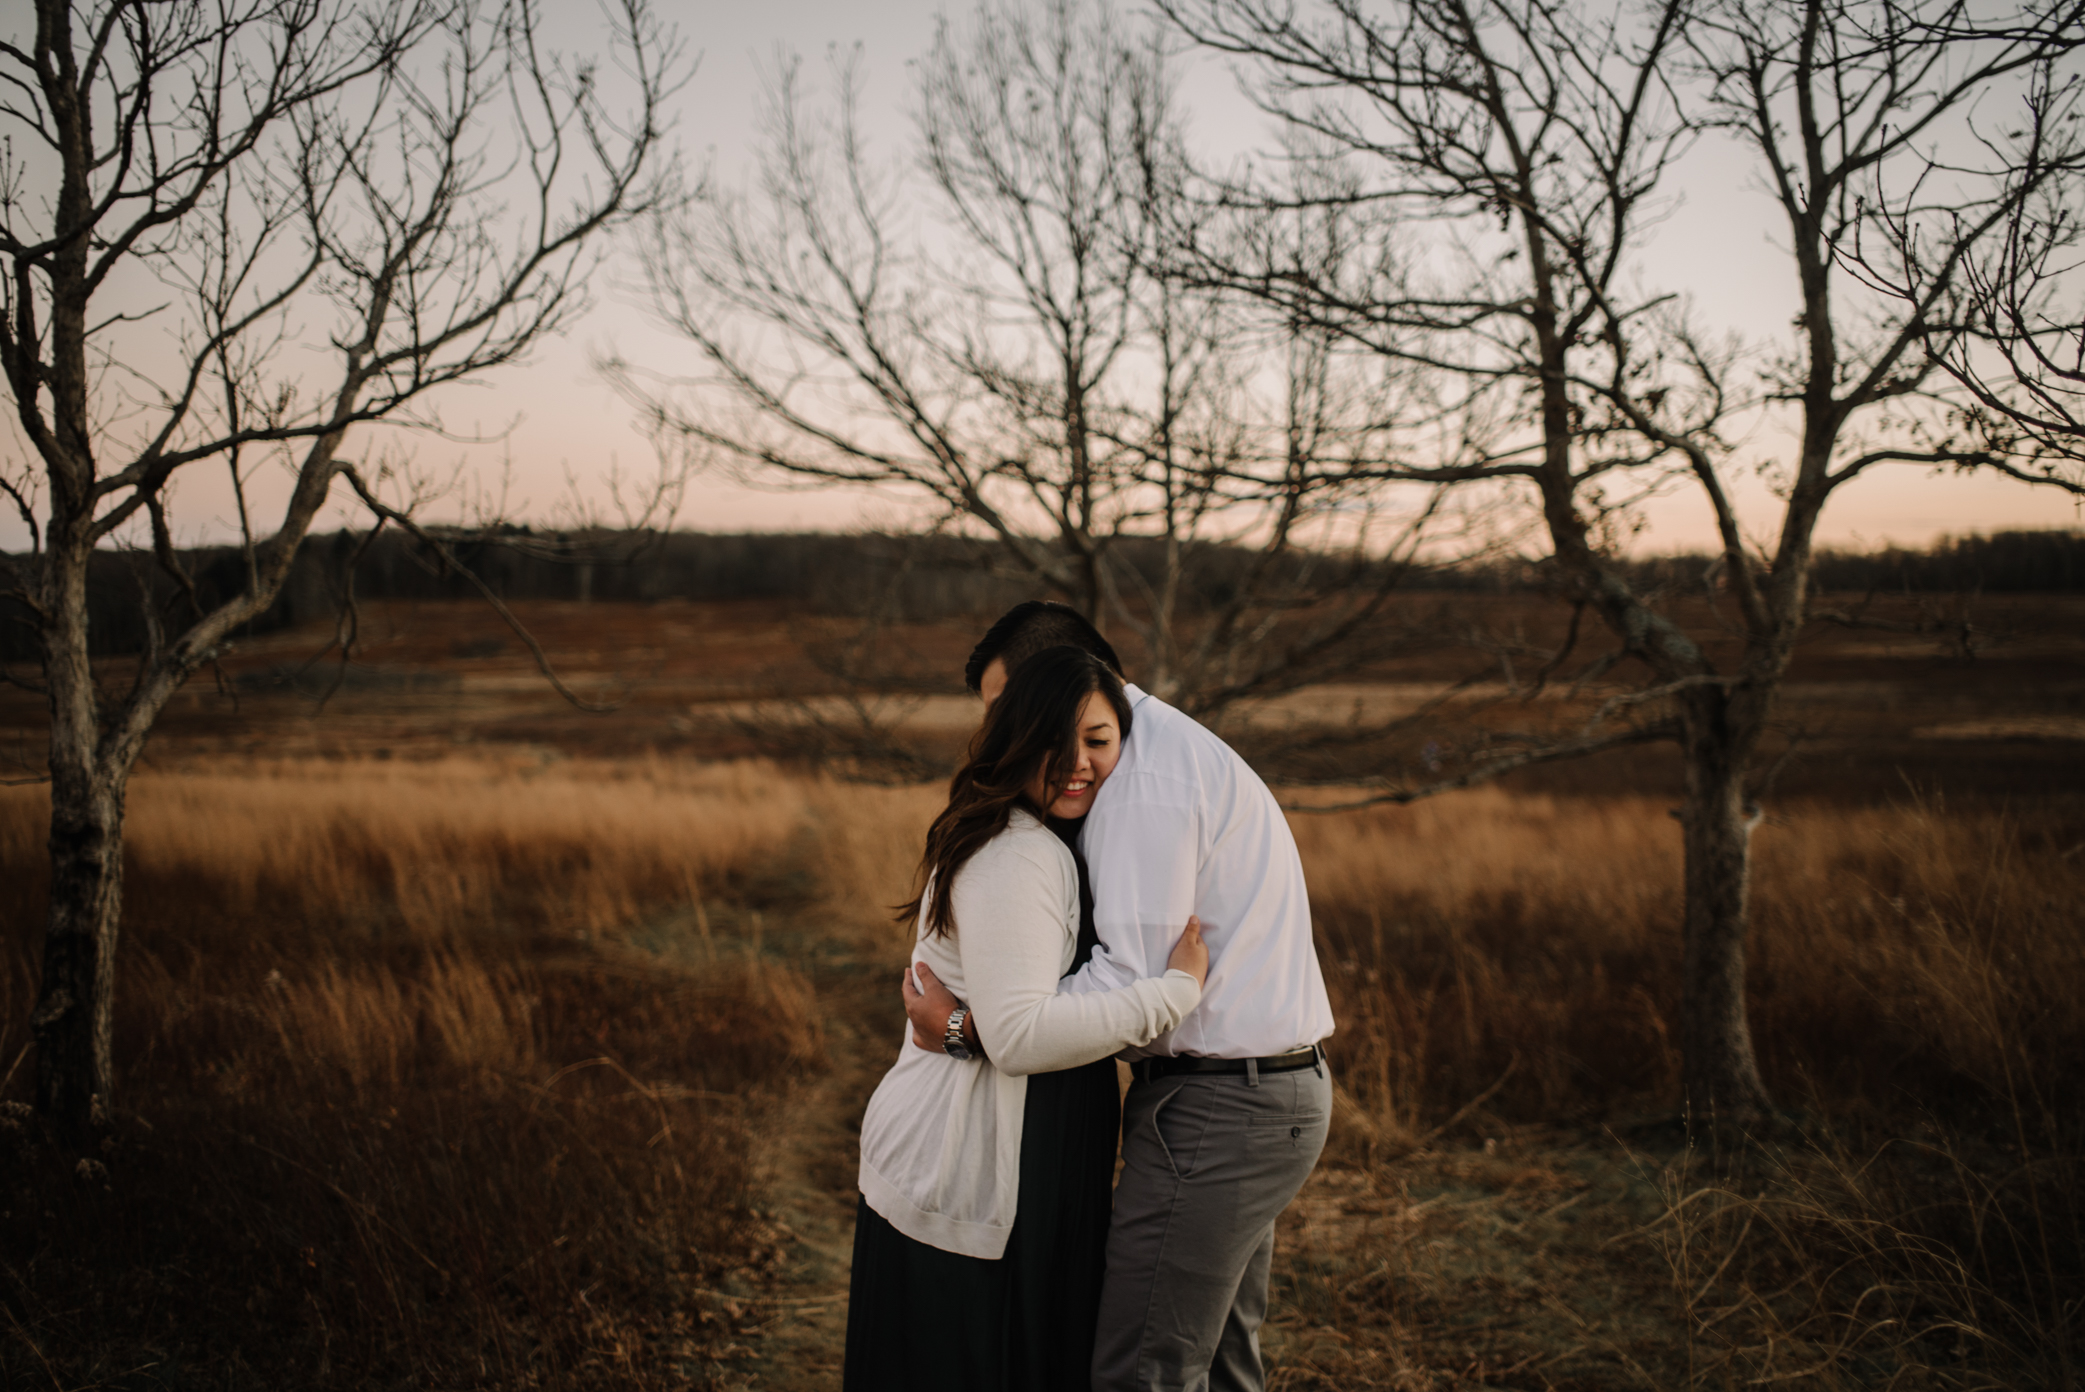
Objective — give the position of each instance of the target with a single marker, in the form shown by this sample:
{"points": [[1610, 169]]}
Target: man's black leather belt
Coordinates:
{"points": [[1151, 1069]]}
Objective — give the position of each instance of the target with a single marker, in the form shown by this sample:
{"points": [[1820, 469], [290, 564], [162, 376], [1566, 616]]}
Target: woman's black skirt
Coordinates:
{"points": [[923, 1320]]}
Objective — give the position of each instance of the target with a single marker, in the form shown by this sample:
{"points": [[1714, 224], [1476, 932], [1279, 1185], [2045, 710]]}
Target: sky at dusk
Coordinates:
{"points": [[560, 419]]}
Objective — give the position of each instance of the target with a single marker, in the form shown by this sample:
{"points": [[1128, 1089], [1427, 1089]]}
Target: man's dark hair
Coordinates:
{"points": [[1030, 628]]}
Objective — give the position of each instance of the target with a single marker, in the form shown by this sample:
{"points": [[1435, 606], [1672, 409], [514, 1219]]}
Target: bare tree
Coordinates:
{"points": [[1013, 352], [2007, 324], [1518, 150], [231, 234]]}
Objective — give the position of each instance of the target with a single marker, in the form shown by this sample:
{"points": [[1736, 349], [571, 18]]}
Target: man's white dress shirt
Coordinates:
{"points": [[1183, 826]]}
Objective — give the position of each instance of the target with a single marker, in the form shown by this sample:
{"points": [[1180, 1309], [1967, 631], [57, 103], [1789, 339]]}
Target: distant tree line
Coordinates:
{"points": [[2013, 562], [915, 579], [824, 572], [2042, 562], [901, 578]]}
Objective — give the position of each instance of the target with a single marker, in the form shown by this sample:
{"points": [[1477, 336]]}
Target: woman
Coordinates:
{"points": [[980, 1238]]}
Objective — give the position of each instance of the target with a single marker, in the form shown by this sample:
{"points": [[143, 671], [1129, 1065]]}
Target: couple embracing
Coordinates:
{"points": [[1107, 879]]}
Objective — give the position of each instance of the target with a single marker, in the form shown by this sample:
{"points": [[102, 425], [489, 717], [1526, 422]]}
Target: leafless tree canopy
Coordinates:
{"points": [[1001, 332], [232, 233], [1516, 152], [2004, 317], [1928, 159]]}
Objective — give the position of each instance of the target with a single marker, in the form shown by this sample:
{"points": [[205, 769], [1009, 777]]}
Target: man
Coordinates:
{"points": [[1227, 1114]]}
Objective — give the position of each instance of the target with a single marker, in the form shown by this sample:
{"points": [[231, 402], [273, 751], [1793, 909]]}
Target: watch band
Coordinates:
{"points": [[952, 1042]]}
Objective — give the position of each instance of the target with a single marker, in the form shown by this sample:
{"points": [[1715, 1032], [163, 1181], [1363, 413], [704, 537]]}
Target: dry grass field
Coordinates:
{"points": [[396, 1108], [472, 1071], [1504, 970], [468, 1042]]}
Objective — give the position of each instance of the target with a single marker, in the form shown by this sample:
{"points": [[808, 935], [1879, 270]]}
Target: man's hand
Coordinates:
{"points": [[1191, 954], [928, 1005]]}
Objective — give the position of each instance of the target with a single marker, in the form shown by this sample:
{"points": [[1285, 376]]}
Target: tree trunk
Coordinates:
{"points": [[74, 1076], [71, 1025], [1721, 1075]]}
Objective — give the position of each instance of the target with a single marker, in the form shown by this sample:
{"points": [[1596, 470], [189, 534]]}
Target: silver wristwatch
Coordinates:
{"points": [[952, 1042]]}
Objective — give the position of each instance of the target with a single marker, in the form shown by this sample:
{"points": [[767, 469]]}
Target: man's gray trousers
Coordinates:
{"points": [[1208, 1162]]}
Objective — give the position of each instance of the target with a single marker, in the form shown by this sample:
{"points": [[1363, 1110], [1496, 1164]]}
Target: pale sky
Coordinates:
{"points": [[1718, 246]]}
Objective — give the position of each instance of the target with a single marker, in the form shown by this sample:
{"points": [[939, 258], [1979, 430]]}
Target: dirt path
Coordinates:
{"points": [[791, 1330], [798, 1325], [1490, 1265]]}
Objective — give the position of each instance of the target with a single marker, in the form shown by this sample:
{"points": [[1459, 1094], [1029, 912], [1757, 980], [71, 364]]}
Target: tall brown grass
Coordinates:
{"points": [[457, 1072], [1916, 972], [401, 1099], [1903, 957], [424, 849]]}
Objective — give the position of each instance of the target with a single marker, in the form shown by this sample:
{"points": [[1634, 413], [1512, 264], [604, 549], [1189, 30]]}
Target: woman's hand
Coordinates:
{"points": [[1191, 954]]}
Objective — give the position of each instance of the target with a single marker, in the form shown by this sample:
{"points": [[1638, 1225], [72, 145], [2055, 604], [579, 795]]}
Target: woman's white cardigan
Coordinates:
{"points": [[941, 1142]]}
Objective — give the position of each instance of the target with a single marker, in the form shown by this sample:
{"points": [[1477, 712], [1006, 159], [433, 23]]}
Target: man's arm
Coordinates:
{"points": [[928, 1004], [1142, 849]]}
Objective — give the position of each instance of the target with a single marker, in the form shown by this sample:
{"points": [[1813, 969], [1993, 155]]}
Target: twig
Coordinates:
{"points": [[367, 1210], [485, 591], [1484, 773], [8, 1076], [23, 1335], [1470, 1106]]}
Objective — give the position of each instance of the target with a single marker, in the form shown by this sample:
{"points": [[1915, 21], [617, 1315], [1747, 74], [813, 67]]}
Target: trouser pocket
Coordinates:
{"points": [[1180, 1121]]}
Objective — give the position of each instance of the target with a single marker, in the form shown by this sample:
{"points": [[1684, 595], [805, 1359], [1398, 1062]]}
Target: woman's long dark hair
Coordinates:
{"points": [[1033, 724]]}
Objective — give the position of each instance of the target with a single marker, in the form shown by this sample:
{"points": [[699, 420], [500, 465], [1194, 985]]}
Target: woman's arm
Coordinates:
{"points": [[929, 1005], [1010, 905]]}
